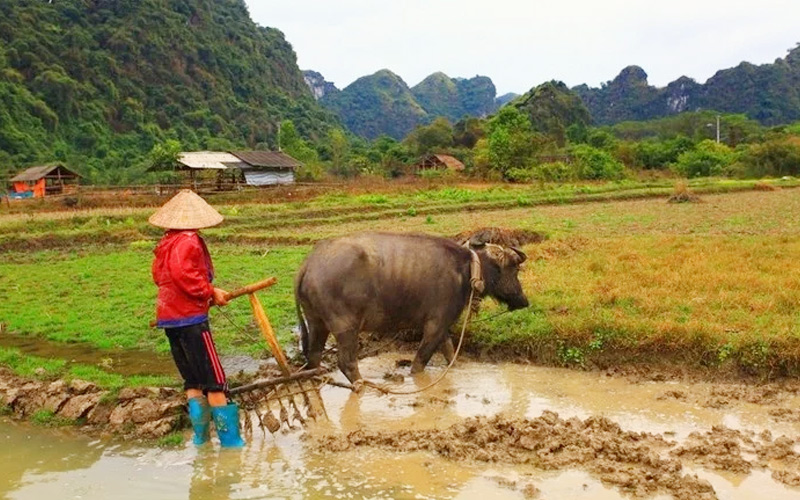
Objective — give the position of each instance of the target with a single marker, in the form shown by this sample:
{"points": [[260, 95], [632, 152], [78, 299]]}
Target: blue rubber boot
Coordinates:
{"points": [[226, 420], [200, 416]]}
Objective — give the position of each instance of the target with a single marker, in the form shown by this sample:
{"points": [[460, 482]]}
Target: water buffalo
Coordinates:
{"points": [[385, 282]]}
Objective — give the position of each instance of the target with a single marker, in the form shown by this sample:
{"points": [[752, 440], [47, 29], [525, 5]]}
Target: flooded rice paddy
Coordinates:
{"points": [[366, 448]]}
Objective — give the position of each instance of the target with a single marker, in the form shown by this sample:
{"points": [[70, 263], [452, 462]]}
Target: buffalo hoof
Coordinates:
{"points": [[417, 368], [358, 386]]}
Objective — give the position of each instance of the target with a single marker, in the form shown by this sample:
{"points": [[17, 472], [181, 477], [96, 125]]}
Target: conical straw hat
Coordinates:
{"points": [[186, 210]]}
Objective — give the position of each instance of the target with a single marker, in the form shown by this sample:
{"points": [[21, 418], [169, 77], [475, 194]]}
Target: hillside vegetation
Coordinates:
{"points": [[383, 104], [769, 93], [98, 83]]}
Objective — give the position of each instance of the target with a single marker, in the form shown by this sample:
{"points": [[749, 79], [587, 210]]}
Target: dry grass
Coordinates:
{"points": [[682, 194]]}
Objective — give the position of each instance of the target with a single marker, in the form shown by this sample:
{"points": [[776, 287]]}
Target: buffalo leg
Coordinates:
{"points": [[433, 335], [347, 353], [317, 337], [447, 350]]}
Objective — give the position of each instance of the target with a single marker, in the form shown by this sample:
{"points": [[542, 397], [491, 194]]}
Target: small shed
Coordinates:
{"points": [[218, 167], [38, 182], [438, 162], [265, 168]]}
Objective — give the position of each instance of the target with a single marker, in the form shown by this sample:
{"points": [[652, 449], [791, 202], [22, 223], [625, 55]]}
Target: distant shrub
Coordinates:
{"points": [[524, 174], [594, 164], [555, 172], [309, 172], [708, 158], [652, 154], [773, 158]]}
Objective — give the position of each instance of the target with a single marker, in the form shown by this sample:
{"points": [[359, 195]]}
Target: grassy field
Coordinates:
{"points": [[627, 277]]}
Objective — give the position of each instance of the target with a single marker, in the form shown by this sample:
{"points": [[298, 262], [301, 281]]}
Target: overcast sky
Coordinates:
{"points": [[520, 44]]}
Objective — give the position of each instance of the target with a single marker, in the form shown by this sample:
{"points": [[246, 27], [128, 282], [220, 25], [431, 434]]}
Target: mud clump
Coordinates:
{"points": [[719, 449], [721, 396], [501, 236], [632, 461]]}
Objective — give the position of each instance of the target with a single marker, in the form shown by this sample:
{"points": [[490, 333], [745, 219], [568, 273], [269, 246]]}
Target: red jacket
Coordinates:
{"points": [[183, 271]]}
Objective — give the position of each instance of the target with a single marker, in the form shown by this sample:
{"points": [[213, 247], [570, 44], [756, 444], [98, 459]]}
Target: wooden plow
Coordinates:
{"points": [[289, 399]]}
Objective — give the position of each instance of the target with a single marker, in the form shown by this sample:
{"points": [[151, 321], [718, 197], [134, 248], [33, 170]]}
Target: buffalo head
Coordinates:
{"points": [[500, 270]]}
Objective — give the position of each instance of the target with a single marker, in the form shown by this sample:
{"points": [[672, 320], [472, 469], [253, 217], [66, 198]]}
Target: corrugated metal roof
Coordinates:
{"points": [[267, 159], [36, 173], [210, 160]]}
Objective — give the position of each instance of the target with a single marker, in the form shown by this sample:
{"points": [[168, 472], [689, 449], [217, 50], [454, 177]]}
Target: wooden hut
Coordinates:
{"points": [[224, 170], [218, 168], [38, 182], [438, 162], [265, 168]]}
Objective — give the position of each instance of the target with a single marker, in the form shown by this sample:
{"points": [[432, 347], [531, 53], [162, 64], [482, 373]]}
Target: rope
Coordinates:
{"points": [[386, 390]]}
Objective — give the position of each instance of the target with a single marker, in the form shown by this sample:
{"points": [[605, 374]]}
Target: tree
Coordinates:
{"points": [[339, 149], [164, 156], [468, 131], [431, 138], [510, 142]]}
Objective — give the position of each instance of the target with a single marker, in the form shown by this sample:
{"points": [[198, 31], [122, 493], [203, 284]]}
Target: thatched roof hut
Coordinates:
{"points": [[438, 162]]}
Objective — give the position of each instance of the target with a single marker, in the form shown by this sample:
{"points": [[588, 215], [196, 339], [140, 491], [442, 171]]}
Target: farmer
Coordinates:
{"points": [[183, 271]]}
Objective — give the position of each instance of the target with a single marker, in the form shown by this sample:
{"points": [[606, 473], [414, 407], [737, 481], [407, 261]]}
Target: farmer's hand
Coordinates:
{"points": [[218, 297]]}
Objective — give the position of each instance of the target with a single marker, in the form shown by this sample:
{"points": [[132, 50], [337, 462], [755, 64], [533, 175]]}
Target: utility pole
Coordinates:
{"points": [[279, 134], [717, 129]]}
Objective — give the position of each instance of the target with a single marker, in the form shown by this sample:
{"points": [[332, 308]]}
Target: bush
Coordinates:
{"points": [[652, 154], [555, 172], [594, 164], [521, 174], [707, 159], [774, 158]]}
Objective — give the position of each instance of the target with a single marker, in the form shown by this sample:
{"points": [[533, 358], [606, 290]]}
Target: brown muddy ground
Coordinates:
{"points": [[642, 433], [639, 464]]}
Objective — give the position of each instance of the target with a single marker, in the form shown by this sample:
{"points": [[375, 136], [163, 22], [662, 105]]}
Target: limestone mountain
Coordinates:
{"points": [[769, 93], [383, 103], [96, 83], [377, 104], [320, 87]]}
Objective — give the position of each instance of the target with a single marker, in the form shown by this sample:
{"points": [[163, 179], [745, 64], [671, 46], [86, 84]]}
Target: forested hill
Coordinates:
{"points": [[97, 83], [382, 103], [769, 93]]}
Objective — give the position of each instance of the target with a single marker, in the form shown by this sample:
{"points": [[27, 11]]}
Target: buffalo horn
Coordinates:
{"points": [[521, 254], [477, 242]]}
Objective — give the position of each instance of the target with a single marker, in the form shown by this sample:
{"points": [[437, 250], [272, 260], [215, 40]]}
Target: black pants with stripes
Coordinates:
{"points": [[196, 357]]}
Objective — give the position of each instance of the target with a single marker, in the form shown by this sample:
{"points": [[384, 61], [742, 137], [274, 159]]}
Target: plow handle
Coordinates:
{"points": [[252, 288], [245, 290]]}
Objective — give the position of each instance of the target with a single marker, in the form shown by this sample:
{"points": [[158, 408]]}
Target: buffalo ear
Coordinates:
{"points": [[476, 242], [521, 254]]}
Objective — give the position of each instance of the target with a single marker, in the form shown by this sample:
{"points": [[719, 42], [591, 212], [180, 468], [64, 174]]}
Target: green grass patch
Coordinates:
{"points": [[47, 418], [706, 281], [49, 369], [171, 440]]}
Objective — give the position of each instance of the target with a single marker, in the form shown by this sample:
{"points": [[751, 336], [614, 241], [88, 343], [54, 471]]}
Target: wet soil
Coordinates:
{"points": [[510, 430]]}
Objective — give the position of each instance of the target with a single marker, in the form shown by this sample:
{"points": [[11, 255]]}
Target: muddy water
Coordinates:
{"points": [[40, 463], [125, 362]]}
